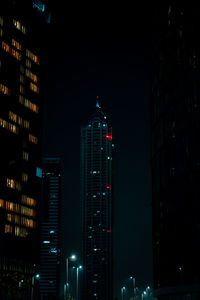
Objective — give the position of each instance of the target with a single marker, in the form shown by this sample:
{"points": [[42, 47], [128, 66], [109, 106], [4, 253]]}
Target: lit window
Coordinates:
{"points": [[24, 177], [6, 47], [22, 79], [25, 155], [19, 26], [8, 228], [16, 54], [28, 63], [34, 88], [9, 126], [21, 89], [28, 104], [32, 56], [4, 89], [1, 32], [2, 203], [33, 139], [11, 183], [16, 45], [28, 200]]}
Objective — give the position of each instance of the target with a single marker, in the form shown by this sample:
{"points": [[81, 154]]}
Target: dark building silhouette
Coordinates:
{"points": [[175, 113], [96, 197], [21, 27], [50, 228]]}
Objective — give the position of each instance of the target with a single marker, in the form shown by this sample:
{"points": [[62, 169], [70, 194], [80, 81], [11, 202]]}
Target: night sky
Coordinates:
{"points": [[104, 51]]}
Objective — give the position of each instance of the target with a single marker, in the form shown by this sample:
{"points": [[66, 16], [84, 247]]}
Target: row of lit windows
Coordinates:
{"points": [[17, 119], [19, 26], [32, 76], [13, 184], [32, 56], [16, 44], [22, 232], [9, 126], [28, 63], [25, 156], [32, 139], [27, 103], [4, 89], [13, 52], [28, 200], [18, 208], [34, 87], [21, 220]]}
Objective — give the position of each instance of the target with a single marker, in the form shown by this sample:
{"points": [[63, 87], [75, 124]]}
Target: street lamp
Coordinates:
{"points": [[77, 278], [122, 292], [134, 291], [73, 258]]}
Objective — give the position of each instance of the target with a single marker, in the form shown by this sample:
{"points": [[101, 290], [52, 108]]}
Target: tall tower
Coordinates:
{"points": [[50, 228], [97, 203], [20, 138], [175, 112]]}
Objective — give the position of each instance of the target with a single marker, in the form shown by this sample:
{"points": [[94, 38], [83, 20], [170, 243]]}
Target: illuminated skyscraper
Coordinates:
{"points": [[97, 203], [50, 228], [175, 108], [20, 137]]}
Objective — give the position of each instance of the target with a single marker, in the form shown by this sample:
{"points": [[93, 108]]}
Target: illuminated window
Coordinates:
{"points": [[33, 138], [4, 89], [34, 88], [6, 47], [1, 32], [19, 26], [28, 104], [2, 203], [17, 119], [16, 45], [25, 155], [9, 126], [28, 63], [21, 89], [33, 77], [28, 200], [32, 56], [24, 177], [8, 228], [16, 54], [13, 184]]}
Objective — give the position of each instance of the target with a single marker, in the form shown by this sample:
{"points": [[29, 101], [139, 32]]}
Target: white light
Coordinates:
{"points": [[73, 256]]}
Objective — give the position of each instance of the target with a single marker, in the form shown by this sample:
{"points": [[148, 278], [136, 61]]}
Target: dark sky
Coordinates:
{"points": [[104, 51]]}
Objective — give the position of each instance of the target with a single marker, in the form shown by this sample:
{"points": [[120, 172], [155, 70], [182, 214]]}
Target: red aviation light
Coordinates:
{"points": [[108, 187], [109, 230], [109, 137]]}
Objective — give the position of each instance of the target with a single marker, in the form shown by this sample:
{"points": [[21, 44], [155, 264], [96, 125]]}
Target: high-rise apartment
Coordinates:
{"points": [[97, 204], [50, 228], [175, 112], [21, 23]]}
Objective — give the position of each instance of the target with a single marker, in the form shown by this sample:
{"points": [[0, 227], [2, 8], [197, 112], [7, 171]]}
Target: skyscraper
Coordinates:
{"points": [[20, 137], [97, 204], [50, 228], [175, 110]]}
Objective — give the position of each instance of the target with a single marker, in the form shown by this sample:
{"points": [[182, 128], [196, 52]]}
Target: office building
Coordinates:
{"points": [[50, 228], [97, 205], [20, 136], [175, 113]]}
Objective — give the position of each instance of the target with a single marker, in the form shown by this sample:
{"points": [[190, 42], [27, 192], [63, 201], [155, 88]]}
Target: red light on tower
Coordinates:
{"points": [[108, 187], [109, 137], [108, 230], [97, 97]]}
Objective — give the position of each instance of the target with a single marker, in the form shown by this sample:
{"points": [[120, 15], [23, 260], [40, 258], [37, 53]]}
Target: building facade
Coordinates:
{"points": [[175, 114], [97, 204], [50, 228], [20, 137]]}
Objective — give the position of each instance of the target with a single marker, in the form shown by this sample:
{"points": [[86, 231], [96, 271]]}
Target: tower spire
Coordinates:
{"points": [[97, 103]]}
